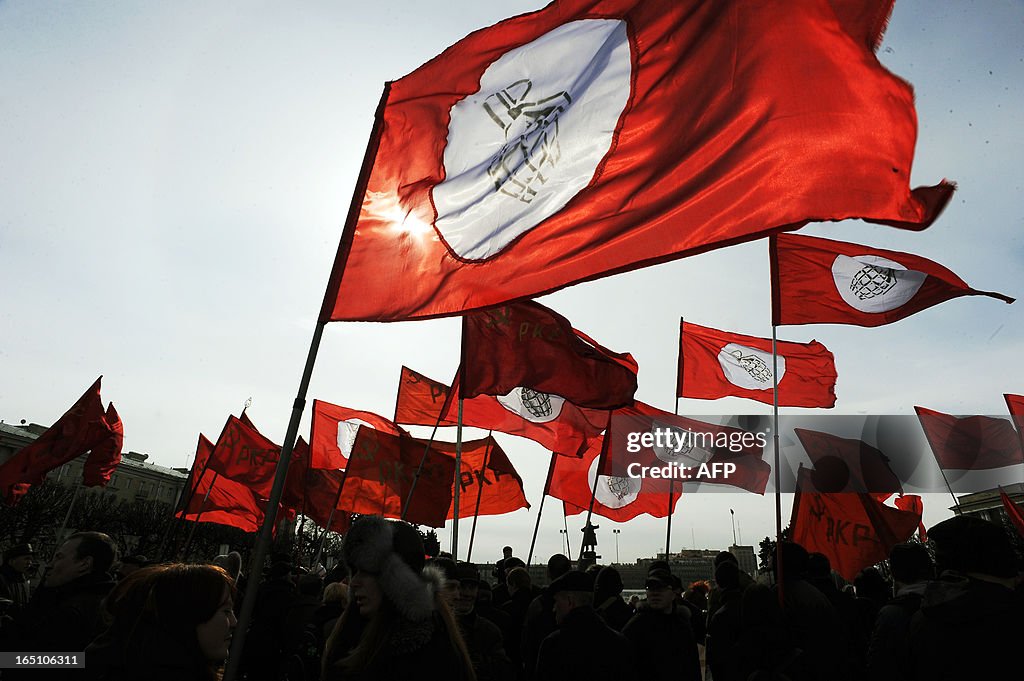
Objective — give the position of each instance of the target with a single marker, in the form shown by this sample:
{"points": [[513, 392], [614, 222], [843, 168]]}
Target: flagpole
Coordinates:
{"points": [[956, 502], [675, 410], [180, 505], [67, 516], [778, 465], [458, 485], [668, 531], [479, 496], [330, 295], [419, 469], [540, 510]]}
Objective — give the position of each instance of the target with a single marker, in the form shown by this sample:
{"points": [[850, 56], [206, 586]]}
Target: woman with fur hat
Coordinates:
{"points": [[396, 624]]}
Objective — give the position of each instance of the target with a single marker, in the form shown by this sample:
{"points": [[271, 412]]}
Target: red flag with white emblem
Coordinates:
{"points": [[334, 431], [819, 281], [593, 137], [715, 364]]}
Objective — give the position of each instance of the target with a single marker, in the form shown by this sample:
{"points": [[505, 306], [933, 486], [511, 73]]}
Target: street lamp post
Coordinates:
{"points": [[564, 533], [616, 533]]}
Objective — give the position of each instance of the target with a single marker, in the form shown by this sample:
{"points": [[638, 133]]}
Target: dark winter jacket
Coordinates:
{"points": [[65, 618], [887, 655], [486, 648], [584, 647], [664, 645]]}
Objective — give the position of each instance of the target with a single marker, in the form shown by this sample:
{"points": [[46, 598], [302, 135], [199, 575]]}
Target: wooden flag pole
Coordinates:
{"points": [[540, 510], [458, 476], [262, 546], [419, 469], [479, 496], [330, 519], [195, 523]]}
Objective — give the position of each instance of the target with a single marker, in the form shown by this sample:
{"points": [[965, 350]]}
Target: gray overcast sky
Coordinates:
{"points": [[174, 178]]}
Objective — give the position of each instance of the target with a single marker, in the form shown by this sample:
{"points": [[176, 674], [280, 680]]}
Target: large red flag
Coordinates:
{"points": [[616, 497], [334, 430], [549, 420], [914, 504], [819, 281], [216, 499], [1013, 512], [380, 475], [848, 465], [106, 455], [971, 442], [715, 364], [596, 136], [688, 449], [244, 455], [527, 345], [854, 530], [489, 483], [81, 428]]}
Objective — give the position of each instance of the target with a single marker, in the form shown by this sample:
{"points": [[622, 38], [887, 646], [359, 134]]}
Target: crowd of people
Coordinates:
{"points": [[952, 610]]}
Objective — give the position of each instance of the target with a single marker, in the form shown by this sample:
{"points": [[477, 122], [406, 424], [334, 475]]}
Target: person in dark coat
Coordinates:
{"points": [[170, 623], [540, 617], [396, 625], [714, 596], [14, 577], [483, 638], [912, 569], [608, 599], [764, 648], [65, 613], [583, 647], [724, 627], [264, 643], [661, 635], [969, 624]]}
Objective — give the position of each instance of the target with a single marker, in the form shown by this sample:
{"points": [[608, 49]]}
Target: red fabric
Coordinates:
{"points": [[848, 465], [244, 455], [853, 530], [818, 281], [1013, 512], [380, 474], [740, 118], [324, 433], [229, 503], [483, 461], [914, 504], [971, 442], [78, 430], [751, 472], [420, 399], [529, 345], [313, 492], [617, 498], [1015, 403], [807, 370], [106, 455]]}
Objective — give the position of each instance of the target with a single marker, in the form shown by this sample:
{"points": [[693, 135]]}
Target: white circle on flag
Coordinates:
{"points": [[871, 283], [347, 431], [748, 367], [533, 135], [612, 491], [690, 452], [532, 405]]}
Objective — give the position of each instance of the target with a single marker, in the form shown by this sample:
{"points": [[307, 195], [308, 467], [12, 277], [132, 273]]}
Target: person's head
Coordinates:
{"points": [[336, 592], [727, 575], [191, 605], [386, 560], [794, 561], [506, 552], [819, 567], [723, 556], [869, 583], [469, 588], [231, 562], [608, 583], [19, 557], [449, 578], [973, 547], [517, 579], [660, 593], [910, 563], [83, 553], [309, 585], [558, 565], [572, 590]]}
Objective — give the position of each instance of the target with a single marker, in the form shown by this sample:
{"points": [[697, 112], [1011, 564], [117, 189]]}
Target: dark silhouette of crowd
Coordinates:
{"points": [[949, 609]]}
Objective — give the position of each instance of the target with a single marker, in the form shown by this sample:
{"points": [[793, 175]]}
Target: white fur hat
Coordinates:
{"points": [[393, 553]]}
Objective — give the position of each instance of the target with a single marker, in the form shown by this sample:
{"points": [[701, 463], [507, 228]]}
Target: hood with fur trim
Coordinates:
{"points": [[390, 551]]}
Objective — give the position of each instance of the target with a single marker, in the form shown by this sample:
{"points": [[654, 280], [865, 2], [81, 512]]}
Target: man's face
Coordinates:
{"points": [[660, 598], [21, 564], [66, 566], [465, 601], [563, 606]]}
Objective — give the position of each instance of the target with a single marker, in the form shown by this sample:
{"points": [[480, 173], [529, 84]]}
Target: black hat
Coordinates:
{"points": [[658, 579], [467, 573], [393, 551], [573, 580], [17, 551]]}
